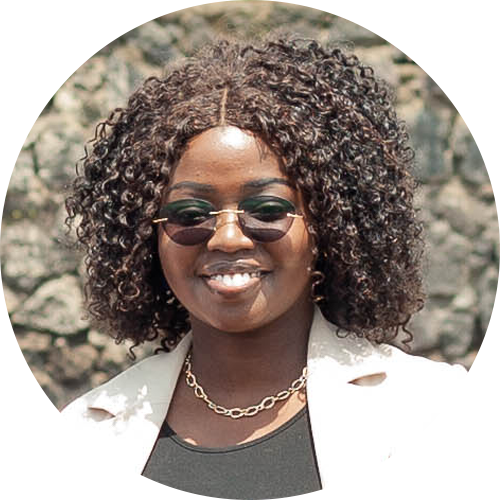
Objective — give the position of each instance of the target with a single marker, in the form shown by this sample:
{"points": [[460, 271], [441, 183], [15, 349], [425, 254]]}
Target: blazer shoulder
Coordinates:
{"points": [[110, 394], [150, 381], [424, 375]]}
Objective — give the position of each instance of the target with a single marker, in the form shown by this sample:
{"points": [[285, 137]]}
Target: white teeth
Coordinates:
{"points": [[237, 279]]}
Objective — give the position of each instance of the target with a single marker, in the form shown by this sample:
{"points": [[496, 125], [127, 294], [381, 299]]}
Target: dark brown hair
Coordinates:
{"points": [[333, 124]]}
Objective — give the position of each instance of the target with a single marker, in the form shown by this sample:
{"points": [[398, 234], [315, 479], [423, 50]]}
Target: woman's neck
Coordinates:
{"points": [[237, 367]]}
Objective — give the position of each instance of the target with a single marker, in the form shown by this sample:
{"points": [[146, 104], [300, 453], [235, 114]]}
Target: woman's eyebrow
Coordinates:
{"points": [[208, 188], [260, 183], [194, 186]]}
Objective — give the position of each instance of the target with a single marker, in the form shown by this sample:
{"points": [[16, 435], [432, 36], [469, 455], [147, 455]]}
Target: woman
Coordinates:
{"points": [[253, 209]]}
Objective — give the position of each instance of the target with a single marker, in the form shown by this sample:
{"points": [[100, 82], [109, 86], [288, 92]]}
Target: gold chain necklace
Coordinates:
{"points": [[266, 404]]}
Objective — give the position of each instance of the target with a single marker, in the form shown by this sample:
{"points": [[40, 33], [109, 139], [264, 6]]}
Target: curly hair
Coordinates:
{"points": [[333, 124]]}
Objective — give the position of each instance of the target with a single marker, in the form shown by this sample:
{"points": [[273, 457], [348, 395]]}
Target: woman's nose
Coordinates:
{"points": [[228, 236]]}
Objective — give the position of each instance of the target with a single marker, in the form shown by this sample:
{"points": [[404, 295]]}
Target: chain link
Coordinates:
{"points": [[266, 404]]}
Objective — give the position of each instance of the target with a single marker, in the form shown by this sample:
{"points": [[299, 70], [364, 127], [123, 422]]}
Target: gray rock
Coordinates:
{"points": [[72, 364], [456, 334], [146, 349], [487, 286], [100, 377], [465, 213], [438, 230], [27, 195], [56, 307], [496, 250], [34, 342], [30, 256], [26, 166], [117, 355], [411, 80], [425, 327], [439, 328], [423, 201], [97, 339], [381, 61], [469, 161], [429, 131], [65, 237], [72, 98], [12, 299], [114, 355], [35, 346], [58, 149], [198, 33], [472, 168], [448, 271], [346, 30], [465, 300], [485, 191], [94, 90], [120, 79], [157, 42], [491, 234], [484, 252]]}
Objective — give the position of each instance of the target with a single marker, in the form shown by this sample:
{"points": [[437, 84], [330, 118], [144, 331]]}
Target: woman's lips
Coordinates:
{"points": [[231, 284]]}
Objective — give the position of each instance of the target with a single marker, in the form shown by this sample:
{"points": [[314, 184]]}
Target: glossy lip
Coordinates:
{"points": [[232, 291]]}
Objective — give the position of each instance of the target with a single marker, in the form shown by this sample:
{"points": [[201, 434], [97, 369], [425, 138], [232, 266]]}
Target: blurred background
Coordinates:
{"points": [[42, 276]]}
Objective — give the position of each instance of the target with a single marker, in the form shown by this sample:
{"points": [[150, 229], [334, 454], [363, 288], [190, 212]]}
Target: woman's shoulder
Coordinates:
{"points": [[113, 393], [432, 376], [138, 384], [391, 374], [147, 382]]}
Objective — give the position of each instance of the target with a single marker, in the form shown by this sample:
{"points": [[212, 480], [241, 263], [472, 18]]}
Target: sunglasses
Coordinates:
{"points": [[193, 221]]}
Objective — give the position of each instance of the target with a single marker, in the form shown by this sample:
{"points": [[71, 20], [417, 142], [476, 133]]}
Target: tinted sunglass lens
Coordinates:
{"points": [[262, 231], [265, 218], [265, 235], [188, 235], [188, 221]]}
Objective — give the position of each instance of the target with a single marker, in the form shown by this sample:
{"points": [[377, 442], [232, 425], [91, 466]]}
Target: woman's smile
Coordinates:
{"points": [[232, 285], [230, 279]]}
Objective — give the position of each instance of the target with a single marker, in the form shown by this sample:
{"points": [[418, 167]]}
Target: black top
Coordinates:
{"points": [[277, 465]]}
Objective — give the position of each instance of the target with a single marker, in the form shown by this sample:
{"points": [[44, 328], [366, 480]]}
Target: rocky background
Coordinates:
{"points": [[42, 275]]}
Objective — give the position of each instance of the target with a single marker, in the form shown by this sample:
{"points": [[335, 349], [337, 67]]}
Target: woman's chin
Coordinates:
{"points": [[234, 319]]}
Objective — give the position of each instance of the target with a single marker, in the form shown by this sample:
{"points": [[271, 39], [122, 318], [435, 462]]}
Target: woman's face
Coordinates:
{"points": [[232, 282]]}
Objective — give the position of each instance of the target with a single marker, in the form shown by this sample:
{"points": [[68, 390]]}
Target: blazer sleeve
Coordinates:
{"points": [[432, 397], [454, 376]]}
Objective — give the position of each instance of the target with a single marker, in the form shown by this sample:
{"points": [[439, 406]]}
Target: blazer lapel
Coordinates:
{"points": [[349, 422]]}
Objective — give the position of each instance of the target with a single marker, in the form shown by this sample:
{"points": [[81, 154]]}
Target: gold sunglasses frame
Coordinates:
{"points": [[225, 211]]}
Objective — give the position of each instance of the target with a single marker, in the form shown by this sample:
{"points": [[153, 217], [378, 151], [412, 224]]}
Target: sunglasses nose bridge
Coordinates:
{"points": [[226, 216], [228, 234]]}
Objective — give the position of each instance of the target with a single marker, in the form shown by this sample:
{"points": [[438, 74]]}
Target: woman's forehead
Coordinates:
{"points": [[227, 156]]}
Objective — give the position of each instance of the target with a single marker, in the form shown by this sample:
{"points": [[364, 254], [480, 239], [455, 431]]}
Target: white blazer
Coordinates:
{"points": [[366, 403]]}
